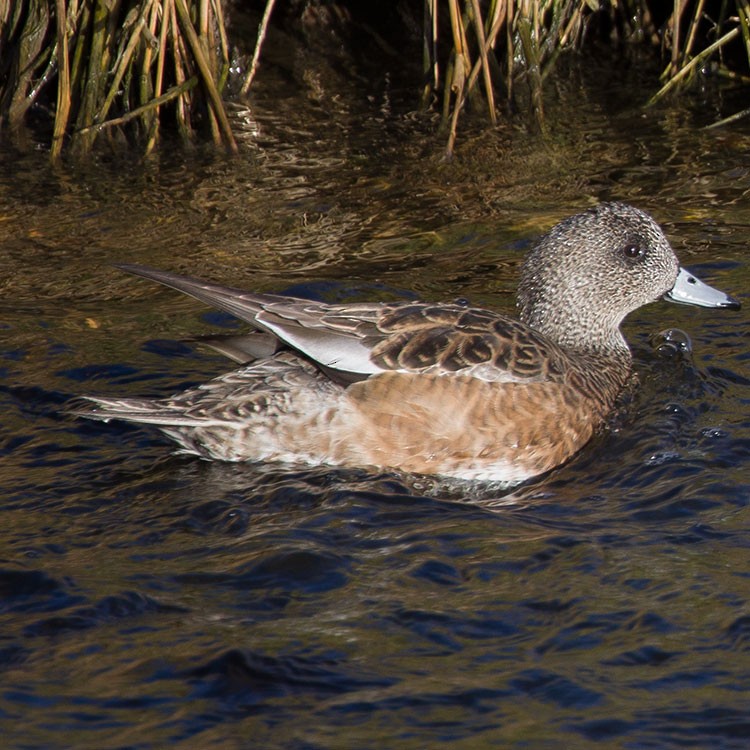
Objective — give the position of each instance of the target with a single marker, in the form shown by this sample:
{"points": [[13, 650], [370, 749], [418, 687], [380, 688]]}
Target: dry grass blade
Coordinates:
{"points": [[223, 43], [95, 77], [693, 31], [262, 29], [729, 120], [146, 87], [173, 93], [63, 87], [205, 70], [159, 80], [123, 63], [693, 65], [531, 53], [457, 74], [459, 77], [744, 15], [489, 43], [429, 50], [30, 51], [479, 30]]}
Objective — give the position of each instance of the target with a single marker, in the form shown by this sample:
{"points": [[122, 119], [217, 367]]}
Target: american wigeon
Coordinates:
{"points": [[431, 388]]}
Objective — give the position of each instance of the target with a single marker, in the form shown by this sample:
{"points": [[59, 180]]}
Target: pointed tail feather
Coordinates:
{"points": [[139, 410]]}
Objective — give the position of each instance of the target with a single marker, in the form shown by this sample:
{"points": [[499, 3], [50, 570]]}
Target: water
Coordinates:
{"points": [[149, 600]]}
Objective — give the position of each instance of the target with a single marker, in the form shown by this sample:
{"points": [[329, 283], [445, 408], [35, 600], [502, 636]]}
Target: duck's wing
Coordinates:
{"points": [[358, 340], [452, 339], [320, 331]]}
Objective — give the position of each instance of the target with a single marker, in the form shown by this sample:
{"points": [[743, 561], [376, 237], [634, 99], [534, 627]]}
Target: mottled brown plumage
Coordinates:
{"points": [[430, 388]]}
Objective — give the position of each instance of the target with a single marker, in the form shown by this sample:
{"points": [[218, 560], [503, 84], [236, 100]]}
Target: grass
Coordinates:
{"points": [[121, 68], [506, 44], [129, 69]]}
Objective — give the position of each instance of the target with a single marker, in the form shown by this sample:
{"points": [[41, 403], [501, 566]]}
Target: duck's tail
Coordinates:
{"points": [[143, 411]]}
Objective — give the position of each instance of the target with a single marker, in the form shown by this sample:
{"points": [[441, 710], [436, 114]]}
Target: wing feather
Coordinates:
{"points": [[358, 340]]}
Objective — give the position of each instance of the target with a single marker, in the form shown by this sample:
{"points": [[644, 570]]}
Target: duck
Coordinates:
{"points": [[427, 388]]}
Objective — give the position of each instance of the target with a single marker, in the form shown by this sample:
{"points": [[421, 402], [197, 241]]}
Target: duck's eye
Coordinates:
{"points": [[633, 252]]}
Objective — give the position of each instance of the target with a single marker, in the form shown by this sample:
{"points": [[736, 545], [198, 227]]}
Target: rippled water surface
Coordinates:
{"points": [[155, 601]]}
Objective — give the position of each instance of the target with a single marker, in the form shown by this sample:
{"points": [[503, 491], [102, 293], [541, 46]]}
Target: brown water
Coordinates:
{"points": [[153, 601]]}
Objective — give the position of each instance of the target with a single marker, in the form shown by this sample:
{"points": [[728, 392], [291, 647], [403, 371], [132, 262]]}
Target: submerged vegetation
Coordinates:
{"points": [[129, 69]]}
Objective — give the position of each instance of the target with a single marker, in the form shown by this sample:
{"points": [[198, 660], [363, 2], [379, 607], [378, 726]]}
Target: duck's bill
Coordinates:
{"points": [[690, 290]]}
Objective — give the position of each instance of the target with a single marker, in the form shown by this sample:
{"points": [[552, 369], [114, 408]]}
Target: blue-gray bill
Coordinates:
{"points": [[690, 290]]}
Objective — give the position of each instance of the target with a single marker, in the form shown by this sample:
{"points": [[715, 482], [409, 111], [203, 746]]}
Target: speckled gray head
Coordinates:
{"points": [[589, 271]]}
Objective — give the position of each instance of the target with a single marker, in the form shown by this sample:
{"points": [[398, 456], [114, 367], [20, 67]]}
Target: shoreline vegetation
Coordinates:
{"points": [[82, 72]]}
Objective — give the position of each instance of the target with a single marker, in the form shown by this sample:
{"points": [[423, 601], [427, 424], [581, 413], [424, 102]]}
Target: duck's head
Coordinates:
{"points": [[589, 271]]}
